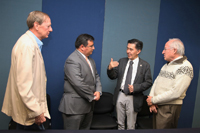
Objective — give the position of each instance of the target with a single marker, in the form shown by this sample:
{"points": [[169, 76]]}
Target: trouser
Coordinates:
{"points": [[77, 122], [166, 117], [31, 127], [125, 109]]}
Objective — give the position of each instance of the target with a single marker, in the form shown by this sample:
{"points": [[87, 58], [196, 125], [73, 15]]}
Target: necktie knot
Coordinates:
{"points": [[131, 62]]}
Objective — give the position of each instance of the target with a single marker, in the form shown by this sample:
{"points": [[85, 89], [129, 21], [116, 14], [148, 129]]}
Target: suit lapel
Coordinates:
{"points": [[124, 62], [82, 58], [124, 66], [85, 62], [93, 67], [139, 69]]}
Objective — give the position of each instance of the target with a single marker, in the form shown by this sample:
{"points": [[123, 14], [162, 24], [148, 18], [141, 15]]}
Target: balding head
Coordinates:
{"points": [[177, 44]]}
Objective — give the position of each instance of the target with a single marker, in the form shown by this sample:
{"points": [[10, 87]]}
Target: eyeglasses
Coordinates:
{"points": [[90, 46], [167, 48]]}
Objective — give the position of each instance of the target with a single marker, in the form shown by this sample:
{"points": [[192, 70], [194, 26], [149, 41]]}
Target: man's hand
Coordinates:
{"points": [[149, 101], [113, 64], [131, 88], [153, 108], [96, 96], [40, 119]]}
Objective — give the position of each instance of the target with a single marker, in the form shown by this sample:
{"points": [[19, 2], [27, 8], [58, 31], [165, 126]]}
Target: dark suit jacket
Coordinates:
{"points": [[80, 85], [143, 80]]}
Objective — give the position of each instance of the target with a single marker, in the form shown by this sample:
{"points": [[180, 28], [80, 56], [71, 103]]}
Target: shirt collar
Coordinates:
{"points": [[82, 54], [176, 59], [135, 61], [39, 42]]}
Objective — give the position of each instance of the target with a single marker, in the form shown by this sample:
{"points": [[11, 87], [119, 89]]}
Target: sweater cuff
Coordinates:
{"points": [[152, 99]]}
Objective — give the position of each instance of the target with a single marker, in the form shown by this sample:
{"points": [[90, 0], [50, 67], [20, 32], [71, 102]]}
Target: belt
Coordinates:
{"points": [[123, 92]]}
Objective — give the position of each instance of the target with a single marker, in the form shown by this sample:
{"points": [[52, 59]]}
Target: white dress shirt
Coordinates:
{"points": [[135, 66]]}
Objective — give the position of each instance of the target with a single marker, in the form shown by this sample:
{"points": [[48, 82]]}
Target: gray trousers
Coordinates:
{"points": [[166, 117], [77, 122], [125, 109]]}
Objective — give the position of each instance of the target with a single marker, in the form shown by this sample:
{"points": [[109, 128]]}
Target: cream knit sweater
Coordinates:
{"points": [[172, 82]]}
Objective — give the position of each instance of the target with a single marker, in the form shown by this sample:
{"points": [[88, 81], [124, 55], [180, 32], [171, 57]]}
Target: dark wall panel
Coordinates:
{"points": [[70, 18], [180, 19]]}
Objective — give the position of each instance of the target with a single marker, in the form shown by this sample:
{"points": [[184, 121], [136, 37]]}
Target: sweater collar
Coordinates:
{"points": [[179, 61]]}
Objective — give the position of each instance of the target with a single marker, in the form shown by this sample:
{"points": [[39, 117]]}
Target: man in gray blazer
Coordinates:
{"points": [[82, 86], [128, 95]]}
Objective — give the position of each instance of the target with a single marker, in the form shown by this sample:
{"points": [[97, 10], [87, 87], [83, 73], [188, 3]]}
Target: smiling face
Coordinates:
{"points": [[44, 29], [89, 48], [132, 52]]}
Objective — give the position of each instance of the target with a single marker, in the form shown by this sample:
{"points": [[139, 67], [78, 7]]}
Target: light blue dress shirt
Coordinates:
{"points": [[40, 43]]}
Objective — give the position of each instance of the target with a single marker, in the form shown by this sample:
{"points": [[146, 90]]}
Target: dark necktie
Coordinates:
{"points": [[128, 78]]}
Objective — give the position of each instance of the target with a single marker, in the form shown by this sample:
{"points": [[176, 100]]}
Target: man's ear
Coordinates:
{"points": [[36, 25], [138, 51], [175, 50], [82, 47]]}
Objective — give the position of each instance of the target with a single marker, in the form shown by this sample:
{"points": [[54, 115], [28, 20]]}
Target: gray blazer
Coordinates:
{"points": [[143, 80], [80, 85]]}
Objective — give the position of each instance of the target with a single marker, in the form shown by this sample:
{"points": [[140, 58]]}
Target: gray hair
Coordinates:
{"points": [[178, 44], [35, 16]]}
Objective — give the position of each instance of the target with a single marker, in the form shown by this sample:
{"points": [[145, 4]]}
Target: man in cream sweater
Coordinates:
{"points": [[169, 88]]}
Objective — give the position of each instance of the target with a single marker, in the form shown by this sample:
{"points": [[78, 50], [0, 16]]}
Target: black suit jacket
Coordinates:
{"points": [[143, 80]]}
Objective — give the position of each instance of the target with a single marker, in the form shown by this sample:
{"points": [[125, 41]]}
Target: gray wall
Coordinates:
{"points": [[13, 14], [125, 20]]}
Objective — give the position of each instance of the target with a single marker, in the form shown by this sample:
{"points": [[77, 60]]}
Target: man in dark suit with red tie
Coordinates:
{"points": [[133, 77]]}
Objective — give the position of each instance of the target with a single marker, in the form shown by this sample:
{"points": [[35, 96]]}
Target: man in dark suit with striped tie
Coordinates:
{"points": [[133, 77]]}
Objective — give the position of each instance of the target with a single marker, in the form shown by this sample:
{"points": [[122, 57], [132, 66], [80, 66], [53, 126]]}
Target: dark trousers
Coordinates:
{"points": [[166, 117], [77, 122], [31, 127]]}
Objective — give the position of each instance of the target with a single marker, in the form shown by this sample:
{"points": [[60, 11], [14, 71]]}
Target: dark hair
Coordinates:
{"points": [[83, 39], [138, 43]]}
